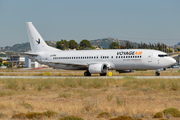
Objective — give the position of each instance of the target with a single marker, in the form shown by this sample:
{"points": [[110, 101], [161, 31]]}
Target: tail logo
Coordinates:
{"points": [[38, 41]]}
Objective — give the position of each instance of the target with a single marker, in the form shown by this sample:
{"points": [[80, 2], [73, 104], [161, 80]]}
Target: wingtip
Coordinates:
{"points": [[28, 22]]}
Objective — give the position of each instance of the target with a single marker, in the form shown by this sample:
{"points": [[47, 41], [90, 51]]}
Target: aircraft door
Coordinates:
{"points": [[150, 57]]}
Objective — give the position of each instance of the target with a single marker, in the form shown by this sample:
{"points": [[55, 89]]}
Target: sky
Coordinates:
{"points": [[134, 20]]}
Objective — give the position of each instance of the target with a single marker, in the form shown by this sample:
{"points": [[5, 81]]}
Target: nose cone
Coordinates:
{"points": [[172, 61]]}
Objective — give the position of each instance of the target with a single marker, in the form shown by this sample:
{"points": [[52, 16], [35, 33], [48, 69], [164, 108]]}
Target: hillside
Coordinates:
{"points": [[105, 42], [24, 47], [177, 45]]}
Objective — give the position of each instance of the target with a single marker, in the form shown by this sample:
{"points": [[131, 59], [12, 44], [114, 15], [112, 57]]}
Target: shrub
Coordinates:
{"points": [[19, 116], [123, 117], [59, 74], [39, 88], [173, 111], [120, 102], [27, 105], [2, 115], [3, 93], [64, 95], [71, 118], [138, 116], [12, 84], [49, 113], [174, 86], [158, 115], [104, 114], [34, 115], [109, 97]]}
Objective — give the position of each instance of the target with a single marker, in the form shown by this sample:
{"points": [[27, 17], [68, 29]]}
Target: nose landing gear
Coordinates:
{"points": [[157, 73]]}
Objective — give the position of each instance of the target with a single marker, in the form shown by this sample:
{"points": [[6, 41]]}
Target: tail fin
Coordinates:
{"points": [[36, 41]]}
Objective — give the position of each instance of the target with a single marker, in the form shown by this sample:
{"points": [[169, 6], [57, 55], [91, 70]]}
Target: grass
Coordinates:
{"points": [[52, 72], [86, 98]]}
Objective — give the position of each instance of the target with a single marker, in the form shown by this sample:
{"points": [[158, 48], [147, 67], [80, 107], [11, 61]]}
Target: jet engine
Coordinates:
{"points": [[98, 68]]}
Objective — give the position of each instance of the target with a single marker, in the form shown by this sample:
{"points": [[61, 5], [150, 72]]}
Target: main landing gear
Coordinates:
{"points": [[102, 74], [87, 73], [157, 73]]}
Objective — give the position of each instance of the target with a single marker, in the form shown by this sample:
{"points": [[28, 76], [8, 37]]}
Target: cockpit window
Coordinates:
{"points": [[161, 55]]}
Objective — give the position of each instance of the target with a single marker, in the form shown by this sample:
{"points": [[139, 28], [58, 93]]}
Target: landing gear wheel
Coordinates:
{"points": [[87, 73], [157, 73], [102, 74]]}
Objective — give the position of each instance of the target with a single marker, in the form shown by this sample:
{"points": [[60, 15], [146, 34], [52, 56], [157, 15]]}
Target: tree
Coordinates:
{"points": [[128, 45], [85, 44], [114, 45], [176, 50], [73, 44], [63, 44], [1, 60], [47, 43]]}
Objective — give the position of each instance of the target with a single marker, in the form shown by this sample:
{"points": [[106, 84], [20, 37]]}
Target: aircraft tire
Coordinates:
{"points": [[102, 74], [157, 73], [87, 73]]}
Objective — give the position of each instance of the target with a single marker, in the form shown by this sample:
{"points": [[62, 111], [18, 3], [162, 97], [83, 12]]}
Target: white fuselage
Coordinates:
{"points": [[118, 59]]}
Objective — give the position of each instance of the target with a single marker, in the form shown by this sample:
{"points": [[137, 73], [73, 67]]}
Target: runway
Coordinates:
{"points": [[92, 77]]}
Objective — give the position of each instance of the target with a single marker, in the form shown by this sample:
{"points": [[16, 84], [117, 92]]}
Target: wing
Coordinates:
{"points": [[72, 64]]}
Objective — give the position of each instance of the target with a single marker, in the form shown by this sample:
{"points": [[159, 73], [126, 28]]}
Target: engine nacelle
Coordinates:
{"points": [[98, 68]]}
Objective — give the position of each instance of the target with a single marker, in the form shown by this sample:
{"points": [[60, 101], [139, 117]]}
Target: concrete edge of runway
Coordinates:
{"points": [[91, 77]]}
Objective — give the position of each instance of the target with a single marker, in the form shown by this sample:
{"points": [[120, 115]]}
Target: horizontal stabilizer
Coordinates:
{"points": [[26, 53]]}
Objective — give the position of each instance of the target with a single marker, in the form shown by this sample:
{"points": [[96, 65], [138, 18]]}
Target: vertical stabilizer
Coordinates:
{"points": [[36, 41]]}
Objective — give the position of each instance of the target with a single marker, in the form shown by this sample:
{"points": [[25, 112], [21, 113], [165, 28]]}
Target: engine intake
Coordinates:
{"points": [[98, 68]]}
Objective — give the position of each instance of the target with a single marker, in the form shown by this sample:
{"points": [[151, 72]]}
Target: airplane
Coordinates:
{"points": [[96, 61]]}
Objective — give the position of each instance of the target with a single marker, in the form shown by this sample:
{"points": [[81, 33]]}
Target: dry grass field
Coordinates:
{"points": [[89, 98], [55, 72]]}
